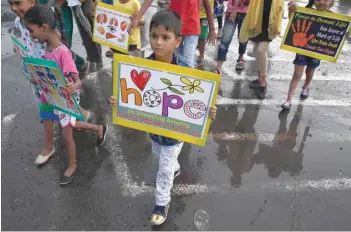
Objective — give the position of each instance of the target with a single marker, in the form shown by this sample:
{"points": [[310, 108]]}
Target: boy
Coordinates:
{"points": [[165, 29]]}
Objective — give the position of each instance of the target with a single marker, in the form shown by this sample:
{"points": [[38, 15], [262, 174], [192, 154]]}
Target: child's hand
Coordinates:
{"points": [[232, 16], [213, 112], [33, 81], [292, 6], [113, 101], [71, 88]]}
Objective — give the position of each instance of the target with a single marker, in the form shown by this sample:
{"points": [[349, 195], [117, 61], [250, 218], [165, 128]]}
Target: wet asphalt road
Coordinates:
{"points": [[260, 170]]}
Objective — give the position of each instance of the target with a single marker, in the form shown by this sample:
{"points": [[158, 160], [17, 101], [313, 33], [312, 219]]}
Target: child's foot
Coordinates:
{"points": [[159, 215], [85, 71], [101, 135], [44, 156], [304, 93], [261, 92], [219, 35], [286, 105], [254, 84], [200, 63], [109, 54], [217, 71], [240, 65], [67, 177]]}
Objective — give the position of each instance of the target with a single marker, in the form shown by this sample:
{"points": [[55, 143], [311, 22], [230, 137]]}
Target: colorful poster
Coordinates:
{"points": [[21, 52], [110, 26], [164, 99], [52, 82], [317, 34]]}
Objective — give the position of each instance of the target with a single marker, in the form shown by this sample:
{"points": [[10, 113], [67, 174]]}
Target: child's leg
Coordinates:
{"points": [[262, 60], [309, 76], [49, 137], [242, 46], [220, 24], [67, 133], [89, 126], [202, 40], [298, 72], [228, 33], [168, 165]]}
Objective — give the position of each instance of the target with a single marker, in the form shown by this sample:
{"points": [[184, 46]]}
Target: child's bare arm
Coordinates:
{"points": [[72, 88]]}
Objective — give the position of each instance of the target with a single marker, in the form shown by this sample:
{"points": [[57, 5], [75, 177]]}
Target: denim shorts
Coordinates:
{"points": [[306, 60]]}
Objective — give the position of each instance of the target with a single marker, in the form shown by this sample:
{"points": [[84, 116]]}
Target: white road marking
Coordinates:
{"points": [[6, 123], [319, 136], [307, 102]]}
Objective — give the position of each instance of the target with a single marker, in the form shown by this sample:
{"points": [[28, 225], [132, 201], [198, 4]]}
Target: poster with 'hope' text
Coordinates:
{"points": [[316, 34], [163, 99]]}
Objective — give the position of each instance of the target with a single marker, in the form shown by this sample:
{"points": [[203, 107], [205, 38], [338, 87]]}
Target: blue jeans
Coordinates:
{"points": [[228, 33], [187, 49]]}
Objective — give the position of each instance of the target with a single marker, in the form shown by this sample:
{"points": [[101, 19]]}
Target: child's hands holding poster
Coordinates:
{"points": [[213, 112], [33, 81], [112, 101]]}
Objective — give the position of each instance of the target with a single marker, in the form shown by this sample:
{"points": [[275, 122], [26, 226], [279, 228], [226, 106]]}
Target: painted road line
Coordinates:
{"points": [[272, 102], [6, 123], [321, 136]]}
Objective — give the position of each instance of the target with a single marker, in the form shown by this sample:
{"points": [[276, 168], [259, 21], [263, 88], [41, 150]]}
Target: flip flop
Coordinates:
{"points": [[43, 159]]}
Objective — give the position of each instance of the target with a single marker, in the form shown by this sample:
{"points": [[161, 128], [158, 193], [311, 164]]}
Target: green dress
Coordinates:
{"points": [[67, 17]]}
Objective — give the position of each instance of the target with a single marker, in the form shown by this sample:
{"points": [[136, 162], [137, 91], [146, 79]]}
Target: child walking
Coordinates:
{"points": [[219, 12], [203, 34], [235, 15], [36, 50], [302, 61], [134, 37], [261, 25], [41, 23], [165, 29]]}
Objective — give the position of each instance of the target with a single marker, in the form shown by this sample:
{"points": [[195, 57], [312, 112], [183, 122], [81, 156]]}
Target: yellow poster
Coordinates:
{"points": [[163, 99]]}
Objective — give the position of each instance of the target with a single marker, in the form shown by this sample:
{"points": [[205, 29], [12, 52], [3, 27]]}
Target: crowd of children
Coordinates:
{"points": [[174, 36]]}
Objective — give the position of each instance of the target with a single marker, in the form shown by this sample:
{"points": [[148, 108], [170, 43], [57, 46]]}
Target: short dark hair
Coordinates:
{"points": [[169, 19], [41, 14]]}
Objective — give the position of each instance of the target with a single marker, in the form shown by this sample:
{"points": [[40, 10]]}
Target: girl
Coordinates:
{"points": [[218, 11], [236, 12], [262, 24], [36, 50], [41, 23], [302, 61]]}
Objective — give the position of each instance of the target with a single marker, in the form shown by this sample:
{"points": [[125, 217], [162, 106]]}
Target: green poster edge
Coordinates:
{"points": [[24, 49], [53, 64]]}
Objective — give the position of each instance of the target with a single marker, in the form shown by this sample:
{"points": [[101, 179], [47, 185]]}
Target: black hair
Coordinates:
{"points": [[169, 19], [310, 4], [40, 14]]}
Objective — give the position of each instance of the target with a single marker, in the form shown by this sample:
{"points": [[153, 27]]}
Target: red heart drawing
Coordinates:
{"points": [[141, 79]]}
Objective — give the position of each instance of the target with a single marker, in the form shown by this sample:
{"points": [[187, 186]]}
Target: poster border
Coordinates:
{"points": [[117, 58], [23, 47], [103, 42], [314, 54], [53, 64]]}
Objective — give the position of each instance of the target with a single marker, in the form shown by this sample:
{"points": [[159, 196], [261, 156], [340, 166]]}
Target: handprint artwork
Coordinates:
{"points": [[300, 38]]}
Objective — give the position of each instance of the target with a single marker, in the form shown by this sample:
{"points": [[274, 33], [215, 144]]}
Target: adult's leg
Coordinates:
{"points": [[262, 59]]}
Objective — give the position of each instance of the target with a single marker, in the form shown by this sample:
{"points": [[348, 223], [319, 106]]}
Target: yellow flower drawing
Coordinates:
{"points": [[191, 86]]}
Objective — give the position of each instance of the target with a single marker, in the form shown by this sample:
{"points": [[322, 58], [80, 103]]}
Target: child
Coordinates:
{"points": [[36, 50], [134, 37], [302, 61], [165, 28], [261, 25], [219, 12], [236, 12], [203, 34], [41, 23]]}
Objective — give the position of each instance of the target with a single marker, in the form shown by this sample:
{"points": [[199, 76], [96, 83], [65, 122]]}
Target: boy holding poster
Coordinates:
{"points": [[302, 61], [165, 28]]}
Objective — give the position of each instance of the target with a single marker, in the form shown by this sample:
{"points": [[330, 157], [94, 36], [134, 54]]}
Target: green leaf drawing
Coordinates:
{"points": [[166, 81], [174, 90]]}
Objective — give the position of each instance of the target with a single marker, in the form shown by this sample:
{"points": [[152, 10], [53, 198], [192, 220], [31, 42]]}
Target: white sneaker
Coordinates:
{"points": [[43, 159]]}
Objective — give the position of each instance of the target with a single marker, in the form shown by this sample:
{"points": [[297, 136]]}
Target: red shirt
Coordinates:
{"points": [[189, 12]]}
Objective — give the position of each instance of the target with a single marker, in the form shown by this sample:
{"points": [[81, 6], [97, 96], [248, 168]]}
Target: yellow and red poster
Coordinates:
{"points": [[164, 99]]}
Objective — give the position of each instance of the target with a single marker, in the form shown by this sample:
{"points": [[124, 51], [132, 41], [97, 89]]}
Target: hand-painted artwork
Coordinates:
{"points": [[174, 103], [21, 52], [317, 34], [52, 83], [110, 26]]}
